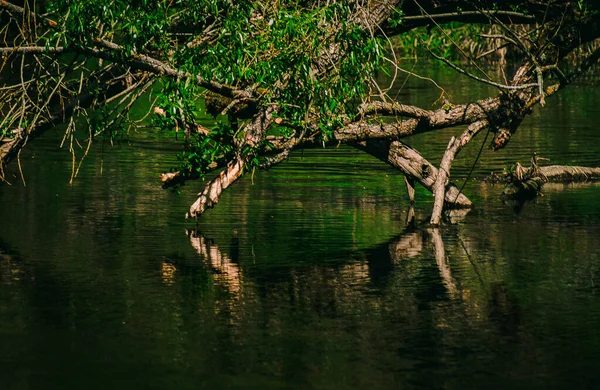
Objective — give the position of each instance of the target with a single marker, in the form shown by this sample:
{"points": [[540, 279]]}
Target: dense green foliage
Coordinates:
{"points": [[297, 70], [266, 48]]}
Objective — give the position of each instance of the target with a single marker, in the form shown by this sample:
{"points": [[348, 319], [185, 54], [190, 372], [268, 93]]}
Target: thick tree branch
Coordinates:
{"points": [[395, 109], [454, 147], [213, 190], [254, 132], [565, 30], [413, 166], [491, 109]]}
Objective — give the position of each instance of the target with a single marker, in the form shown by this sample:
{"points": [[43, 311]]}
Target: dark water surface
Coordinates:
{"points": [[303, 277]]}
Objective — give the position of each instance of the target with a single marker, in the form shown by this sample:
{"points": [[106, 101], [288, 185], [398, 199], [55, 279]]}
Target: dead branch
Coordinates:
{"points": [[254, 133], [32, 50], [396, 109], [21, 11], [454, 147], [213, 190], [414, 166]]}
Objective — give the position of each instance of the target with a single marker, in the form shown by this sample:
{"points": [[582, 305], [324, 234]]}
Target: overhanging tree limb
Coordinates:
{"points": [[304, 66], [21, 11], [414, 166], [254, 131]]}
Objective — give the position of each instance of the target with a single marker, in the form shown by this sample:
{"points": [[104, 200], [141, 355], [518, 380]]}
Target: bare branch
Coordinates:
{"points": [[497, 85], [454, 147], [414, 166], [254, 132], [213, 190], [383, 108], [21, 11], [32, 50]]}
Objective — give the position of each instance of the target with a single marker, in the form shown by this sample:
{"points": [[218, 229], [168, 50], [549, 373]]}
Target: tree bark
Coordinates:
{"points": [[254, 131], [567, 173], [546, 47], [414, 166], [454, 147], [534, 179], [213, 190]]}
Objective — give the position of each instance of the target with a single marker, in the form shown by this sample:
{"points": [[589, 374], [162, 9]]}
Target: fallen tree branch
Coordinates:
{"points": [[414, 166], [527, 183], [213, 190], [567, 173], [254, 131], [454, 147], [493, 110], [397, 109]]}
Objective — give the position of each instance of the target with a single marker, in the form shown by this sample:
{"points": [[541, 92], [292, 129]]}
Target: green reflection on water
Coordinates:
{"points": [[304, 277]]}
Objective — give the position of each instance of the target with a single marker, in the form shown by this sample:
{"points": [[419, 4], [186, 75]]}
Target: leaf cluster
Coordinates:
{"points": [[281, 50]]}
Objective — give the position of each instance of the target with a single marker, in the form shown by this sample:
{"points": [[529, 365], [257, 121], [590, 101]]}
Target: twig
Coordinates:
{"points": [[497, 85], [454, 15], [19, 10]]}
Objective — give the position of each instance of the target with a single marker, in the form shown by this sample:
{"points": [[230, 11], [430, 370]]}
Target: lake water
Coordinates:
{"points": [[304, 276]]}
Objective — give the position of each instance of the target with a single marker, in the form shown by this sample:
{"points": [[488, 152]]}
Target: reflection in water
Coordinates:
{"points": [[324, 285], [168, 272], [442, 262], [225, 272], [440, 306], [454, 216], [10, 269], [518, 204], [356, 277], [407, 245]]}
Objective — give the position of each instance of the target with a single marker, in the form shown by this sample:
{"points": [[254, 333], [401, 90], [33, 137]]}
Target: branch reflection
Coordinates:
{"points": [[10, 269], [225, 272], [362, 272], [442, 262]]}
